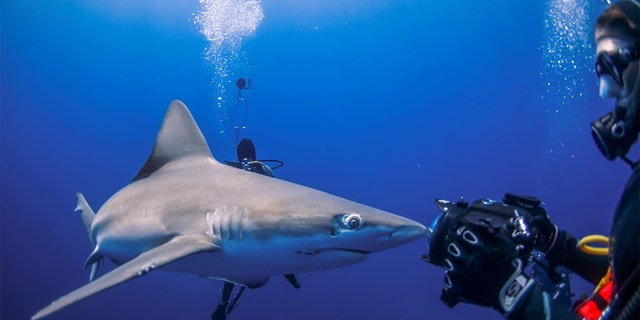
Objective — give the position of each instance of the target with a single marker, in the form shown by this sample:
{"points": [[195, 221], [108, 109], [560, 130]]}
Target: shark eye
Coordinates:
{"points": [[351, 221]]}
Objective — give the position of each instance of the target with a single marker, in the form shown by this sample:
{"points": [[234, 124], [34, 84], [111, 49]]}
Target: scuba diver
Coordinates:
{"points": [[245, 150], [246, 154], [485, 246]]}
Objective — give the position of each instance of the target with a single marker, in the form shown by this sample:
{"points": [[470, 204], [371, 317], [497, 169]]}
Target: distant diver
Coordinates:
{"points": [[246, 153], [247, 160], [241, 83]]}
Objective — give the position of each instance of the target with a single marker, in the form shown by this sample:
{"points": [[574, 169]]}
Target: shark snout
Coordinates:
{"points": [[408, 233]]}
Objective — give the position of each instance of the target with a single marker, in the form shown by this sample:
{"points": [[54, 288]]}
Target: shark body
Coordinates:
{"points": [[187, 212]]}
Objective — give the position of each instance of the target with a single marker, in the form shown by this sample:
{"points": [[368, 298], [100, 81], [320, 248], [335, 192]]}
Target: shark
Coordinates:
{"points": [[186, 212]]}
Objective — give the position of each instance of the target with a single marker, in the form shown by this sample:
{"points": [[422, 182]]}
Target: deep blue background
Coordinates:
{"points": [[388, 103]]}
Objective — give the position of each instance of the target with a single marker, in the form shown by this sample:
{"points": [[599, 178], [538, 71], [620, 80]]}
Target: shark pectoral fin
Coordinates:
{"points": [[178, 247]]}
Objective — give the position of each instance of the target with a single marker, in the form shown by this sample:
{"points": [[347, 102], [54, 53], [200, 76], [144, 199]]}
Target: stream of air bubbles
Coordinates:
{"points": [[566, 52], [225, 23]]}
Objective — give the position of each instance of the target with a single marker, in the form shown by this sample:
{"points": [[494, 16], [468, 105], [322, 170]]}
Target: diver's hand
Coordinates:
{"points": [[543, 230], [545, 233], [483, 268]]}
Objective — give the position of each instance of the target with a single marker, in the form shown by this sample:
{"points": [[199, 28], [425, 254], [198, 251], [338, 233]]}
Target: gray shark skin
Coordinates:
{"points": [[186, 212]]}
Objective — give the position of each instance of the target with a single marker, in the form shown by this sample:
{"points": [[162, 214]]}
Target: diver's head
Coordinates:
{"points": [[618, 52], [246, 151], [617, 37]]}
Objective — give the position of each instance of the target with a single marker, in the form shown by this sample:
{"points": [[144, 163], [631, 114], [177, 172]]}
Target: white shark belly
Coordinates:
{"points": [[249, 265]]}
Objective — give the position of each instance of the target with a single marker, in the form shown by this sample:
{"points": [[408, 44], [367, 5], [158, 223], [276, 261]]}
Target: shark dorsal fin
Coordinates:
{"points": [[179, 137]]}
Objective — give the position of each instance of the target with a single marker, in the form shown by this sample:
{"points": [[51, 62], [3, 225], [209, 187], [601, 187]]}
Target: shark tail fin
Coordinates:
{"points": [[94, 260], [94, 269], [87, 215]]}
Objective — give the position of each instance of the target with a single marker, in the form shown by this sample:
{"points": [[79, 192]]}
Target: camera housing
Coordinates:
{"points": [[510, 219]]}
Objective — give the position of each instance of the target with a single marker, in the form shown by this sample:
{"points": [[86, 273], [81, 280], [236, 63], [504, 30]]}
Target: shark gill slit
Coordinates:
{"points": [[225, 228], [217, 216], [229, 220], [235, 223], [226, 223]]}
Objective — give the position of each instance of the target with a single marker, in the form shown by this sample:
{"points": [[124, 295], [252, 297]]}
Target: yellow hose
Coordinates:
{"points": [[586, 247]]}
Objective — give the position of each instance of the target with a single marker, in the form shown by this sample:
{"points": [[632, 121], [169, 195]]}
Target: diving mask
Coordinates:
{"points": [[614, 63]]}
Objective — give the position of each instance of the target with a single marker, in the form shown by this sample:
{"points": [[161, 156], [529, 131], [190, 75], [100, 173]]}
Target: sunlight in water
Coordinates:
{"points": [[224, 23]]}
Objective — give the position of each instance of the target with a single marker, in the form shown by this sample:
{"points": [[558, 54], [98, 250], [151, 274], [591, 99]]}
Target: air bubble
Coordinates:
{"points": [[225, 23], [567, 49]]}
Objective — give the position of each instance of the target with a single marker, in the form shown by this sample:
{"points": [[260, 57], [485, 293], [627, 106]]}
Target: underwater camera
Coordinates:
{"points": [[243, 83], [521, 220], [510, 219]]}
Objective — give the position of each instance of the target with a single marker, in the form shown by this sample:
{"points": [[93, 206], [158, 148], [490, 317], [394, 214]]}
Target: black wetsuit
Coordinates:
{"points": [[253, 166], [624, 248], [625, 245]]}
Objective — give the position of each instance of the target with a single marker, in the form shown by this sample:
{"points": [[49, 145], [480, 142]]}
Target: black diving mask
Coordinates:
{"points": [[613, 63], [614, 134]]}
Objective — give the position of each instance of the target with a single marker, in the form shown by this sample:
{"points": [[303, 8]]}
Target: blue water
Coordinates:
{"points": [[389, 103]]}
